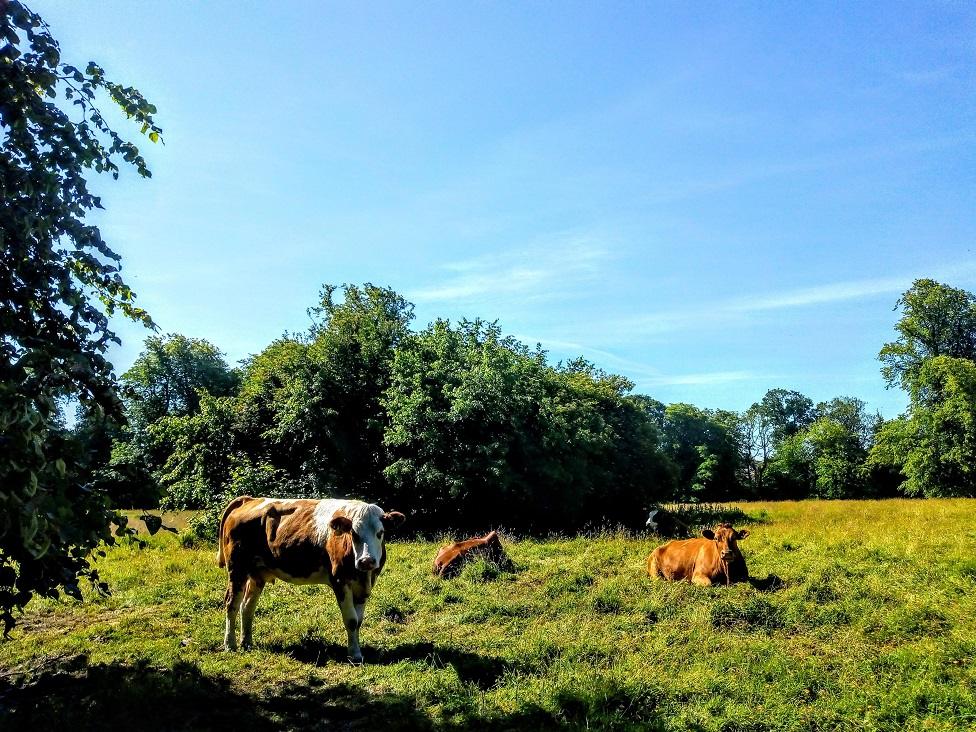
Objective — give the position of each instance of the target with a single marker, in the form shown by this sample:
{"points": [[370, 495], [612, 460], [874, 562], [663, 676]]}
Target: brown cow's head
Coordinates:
{"points": [[368, 529], [726, 537], [495, 552]]}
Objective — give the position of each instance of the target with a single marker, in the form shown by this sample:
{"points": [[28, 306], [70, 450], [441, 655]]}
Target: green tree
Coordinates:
{"points": [[825, 458], [792, 472], [347, 371], [933, 358], [167, 380], [756, 438], [852, 414], [934, 445], [838, 459], [787, 412], [169, 375], [271, 405], [692, 436], [199, 450], [59, 282], [937, 320], [455, 404], [706, 476], [483, 431]]}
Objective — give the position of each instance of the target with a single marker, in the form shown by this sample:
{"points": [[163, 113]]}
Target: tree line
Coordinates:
{"points": [[466, 426]]}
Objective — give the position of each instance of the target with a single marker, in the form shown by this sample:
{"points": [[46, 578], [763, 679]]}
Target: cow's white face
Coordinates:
{"points": [[651, 523], [367, 525], [368, 536]]}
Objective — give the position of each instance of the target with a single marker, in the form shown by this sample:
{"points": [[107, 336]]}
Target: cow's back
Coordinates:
{"points": [[677, 560], [450, 558], [277, 538]]}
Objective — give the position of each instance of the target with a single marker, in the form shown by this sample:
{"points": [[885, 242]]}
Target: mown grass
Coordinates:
{"points": [[861, 616]]}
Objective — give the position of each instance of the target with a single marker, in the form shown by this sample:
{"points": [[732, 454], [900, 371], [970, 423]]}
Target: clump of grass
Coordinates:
{"points": [[568, 583], [755, 613], [967, 568], [608, 599], [481, 570]]}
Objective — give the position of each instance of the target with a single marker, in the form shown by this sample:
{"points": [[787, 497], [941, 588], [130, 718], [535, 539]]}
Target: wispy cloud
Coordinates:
{"points": [[933, 75], [701, 379], [647, 376], [736, 309], [544, 271], [805, 296], [670, 191]]}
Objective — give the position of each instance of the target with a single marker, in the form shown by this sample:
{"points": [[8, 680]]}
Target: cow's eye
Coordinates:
{"points": [[379, 534]]}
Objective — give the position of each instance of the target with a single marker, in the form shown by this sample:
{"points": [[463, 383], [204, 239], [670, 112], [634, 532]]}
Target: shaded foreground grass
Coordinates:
{"points": [[862, 615]]}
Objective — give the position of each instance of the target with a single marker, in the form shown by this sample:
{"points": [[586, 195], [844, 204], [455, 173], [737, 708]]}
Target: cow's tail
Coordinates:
{"points": [[236, 503], [652, 569]]}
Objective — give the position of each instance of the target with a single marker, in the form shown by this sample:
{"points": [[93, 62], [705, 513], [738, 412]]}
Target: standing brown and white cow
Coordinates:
{"points": [[713, 558], [329, 541]]}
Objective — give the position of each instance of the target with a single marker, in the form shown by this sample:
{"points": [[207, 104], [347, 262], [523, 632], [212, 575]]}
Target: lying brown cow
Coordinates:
{"points": [[328, 541], [715, 558], [451, 558]]}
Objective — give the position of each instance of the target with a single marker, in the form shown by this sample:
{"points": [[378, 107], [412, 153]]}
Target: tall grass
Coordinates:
{"points": [[861, 616]]}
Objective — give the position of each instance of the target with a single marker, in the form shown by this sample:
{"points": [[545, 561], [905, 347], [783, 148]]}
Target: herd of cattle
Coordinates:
{"points": [[342, 543]]}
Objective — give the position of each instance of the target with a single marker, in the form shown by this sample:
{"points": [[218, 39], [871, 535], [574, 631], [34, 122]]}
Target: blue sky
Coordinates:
{"points": [[712, 199]]}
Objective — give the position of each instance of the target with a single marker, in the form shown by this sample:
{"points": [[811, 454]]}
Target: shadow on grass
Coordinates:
{"points": [[772, 583], [483, 671], [147, 697]]}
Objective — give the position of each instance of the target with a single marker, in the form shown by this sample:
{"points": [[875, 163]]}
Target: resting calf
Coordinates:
{"points": [[451, 558]]}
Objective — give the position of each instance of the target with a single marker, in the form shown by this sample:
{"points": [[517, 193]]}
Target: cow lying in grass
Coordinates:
{"points": [[451, 558], [330, 541], [709, 560]]}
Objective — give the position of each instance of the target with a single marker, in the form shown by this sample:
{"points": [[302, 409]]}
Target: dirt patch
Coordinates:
{"points": [[62, 623]]}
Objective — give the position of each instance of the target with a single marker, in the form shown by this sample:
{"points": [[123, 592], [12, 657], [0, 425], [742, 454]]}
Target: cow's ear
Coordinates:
{"points": [[340, 524], [708, 533], [393, 519], [742, 534]]}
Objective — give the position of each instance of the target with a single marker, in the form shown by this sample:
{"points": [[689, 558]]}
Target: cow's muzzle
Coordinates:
{"points": [[365, 564], [728, 555]]}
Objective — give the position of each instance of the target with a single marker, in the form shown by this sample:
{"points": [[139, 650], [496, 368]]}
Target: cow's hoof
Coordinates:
{"points": [[230, 648], [247, 646], [356, 660]]}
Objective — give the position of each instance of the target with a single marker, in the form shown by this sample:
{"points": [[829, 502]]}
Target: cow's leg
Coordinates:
{"points": [[232, 605], [699, 578], [351, 618], [251, 594]]}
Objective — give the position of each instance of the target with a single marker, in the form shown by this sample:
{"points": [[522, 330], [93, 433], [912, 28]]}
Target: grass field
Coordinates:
{"points": [[862, 616]]}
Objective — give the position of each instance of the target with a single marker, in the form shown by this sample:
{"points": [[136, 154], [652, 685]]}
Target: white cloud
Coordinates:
{"points": [[548, 270], [646, 376], [706, 378], [804, 296], [725, 312]]}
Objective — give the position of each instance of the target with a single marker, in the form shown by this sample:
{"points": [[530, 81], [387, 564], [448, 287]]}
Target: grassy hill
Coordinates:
{"points": [[862, 616]]}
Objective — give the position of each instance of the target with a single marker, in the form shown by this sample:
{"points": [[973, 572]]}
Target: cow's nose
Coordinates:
{"points": [[366, 563], [727, 555]]}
